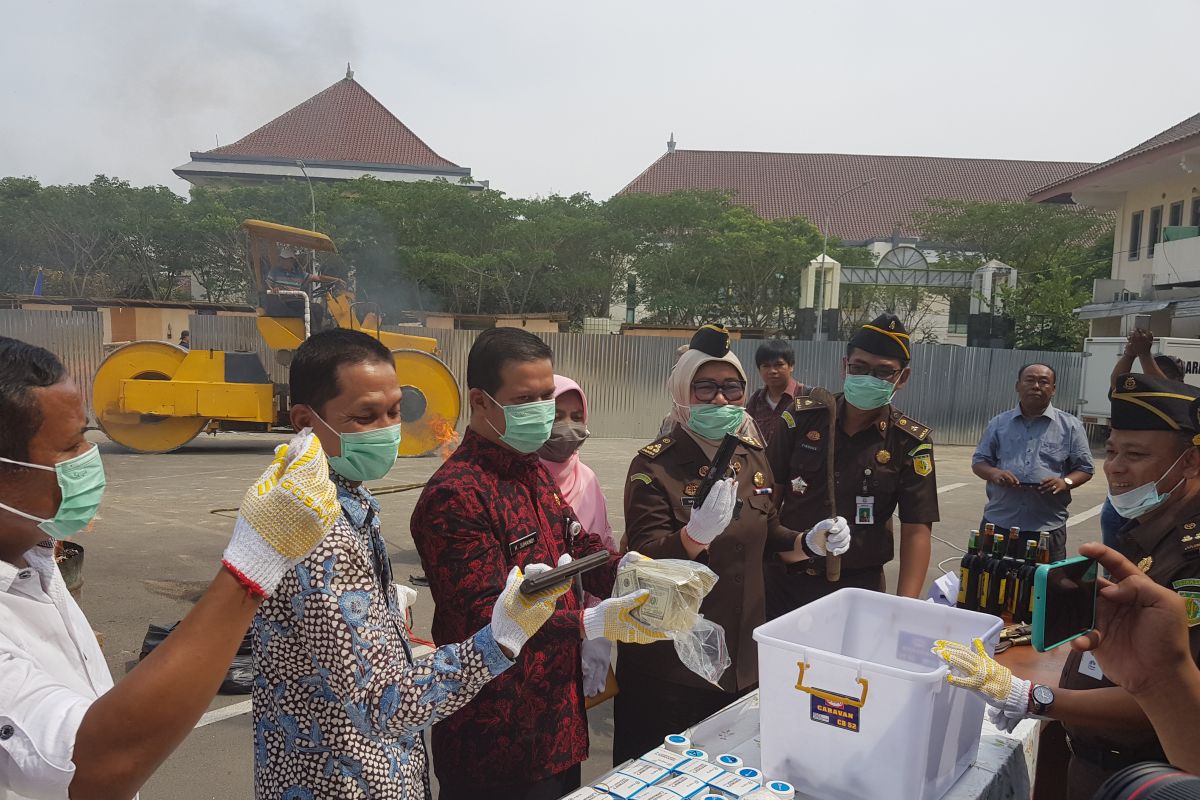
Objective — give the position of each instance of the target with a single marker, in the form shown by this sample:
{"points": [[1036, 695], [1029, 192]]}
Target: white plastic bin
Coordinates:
{"points": [[870, 714]]}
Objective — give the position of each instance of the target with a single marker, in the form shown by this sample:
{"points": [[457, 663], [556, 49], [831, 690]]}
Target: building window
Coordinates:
{"points": [[960, 309], [1175, 216], [1135, 236], [1155, 231], [1195, 212]]}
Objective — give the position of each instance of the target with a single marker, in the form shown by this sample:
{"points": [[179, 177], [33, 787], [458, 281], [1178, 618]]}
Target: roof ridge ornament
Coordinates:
{"points": [[349, 72]]}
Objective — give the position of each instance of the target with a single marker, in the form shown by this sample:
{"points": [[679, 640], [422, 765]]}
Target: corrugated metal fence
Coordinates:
{"points": [[76, 337], [954, 390]]}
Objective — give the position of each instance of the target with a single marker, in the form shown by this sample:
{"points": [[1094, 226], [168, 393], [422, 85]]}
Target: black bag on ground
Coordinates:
{"points": [[240, 677]]}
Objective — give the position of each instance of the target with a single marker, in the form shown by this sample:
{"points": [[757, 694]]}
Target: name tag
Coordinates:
{"points": [[524, 543]]}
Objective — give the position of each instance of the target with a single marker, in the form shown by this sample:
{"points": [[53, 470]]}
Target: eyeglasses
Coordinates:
{"points": [[883, 373], [706, 391], [1032, 380]]}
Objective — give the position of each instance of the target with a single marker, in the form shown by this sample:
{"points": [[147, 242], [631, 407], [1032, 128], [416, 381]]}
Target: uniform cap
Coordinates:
{"points": [[712, 339], [1144, 403], [884, 336]]}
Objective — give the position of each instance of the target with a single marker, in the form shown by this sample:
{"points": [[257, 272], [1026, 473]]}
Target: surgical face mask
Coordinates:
{"points": [[1145, 498], [81, 480], [713, 421], [866, 392], [565, 438], [366, 455], [526, 425]]}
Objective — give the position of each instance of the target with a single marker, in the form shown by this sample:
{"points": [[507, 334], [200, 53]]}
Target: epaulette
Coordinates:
{"points": [[655, 448], [1190, 538], [806, 404], [910, 425], [750, 441]]}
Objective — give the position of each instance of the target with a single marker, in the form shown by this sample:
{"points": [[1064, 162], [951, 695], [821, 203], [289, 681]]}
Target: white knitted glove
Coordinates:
{"points": [[829, 537], [283, 516], [516, 617], [972, 668], [613, 619], [597, 655], [711, 519]]}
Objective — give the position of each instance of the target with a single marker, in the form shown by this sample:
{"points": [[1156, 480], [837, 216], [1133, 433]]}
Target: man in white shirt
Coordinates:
{"points": [[65, 730]]}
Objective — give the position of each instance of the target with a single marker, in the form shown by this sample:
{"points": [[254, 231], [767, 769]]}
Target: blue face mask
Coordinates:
{"points": [[713, 421], [82, 482], [866, 392], [526, 425], [1143, 499], [366, 455]]}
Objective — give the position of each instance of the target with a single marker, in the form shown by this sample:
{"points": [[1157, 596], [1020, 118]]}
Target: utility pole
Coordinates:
{"points": [[825, 248]]}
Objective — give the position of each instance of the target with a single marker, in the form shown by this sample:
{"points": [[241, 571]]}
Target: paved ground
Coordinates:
{"points": [[158, 541]]}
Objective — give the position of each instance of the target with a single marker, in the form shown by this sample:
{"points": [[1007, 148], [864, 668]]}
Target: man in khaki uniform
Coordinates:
{"points": [[883, 460]]}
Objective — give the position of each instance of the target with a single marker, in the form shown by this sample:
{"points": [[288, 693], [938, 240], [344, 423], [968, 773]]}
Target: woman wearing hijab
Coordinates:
{"points": [[581, 490], [731, 532]]}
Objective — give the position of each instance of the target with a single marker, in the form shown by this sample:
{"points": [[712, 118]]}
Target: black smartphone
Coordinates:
{"points": [[1064, 602], [563, 574]]}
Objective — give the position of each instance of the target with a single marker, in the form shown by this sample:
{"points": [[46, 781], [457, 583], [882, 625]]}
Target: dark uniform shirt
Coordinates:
{"points": [[885, 465], [484, 511], [766, 416], [1167, 548], [663, 477]]}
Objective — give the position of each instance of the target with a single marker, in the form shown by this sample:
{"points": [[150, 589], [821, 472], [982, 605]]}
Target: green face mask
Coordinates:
{"points": [[366, 455], [526, 425], [867, 392], [82, 482], [713, 421]]}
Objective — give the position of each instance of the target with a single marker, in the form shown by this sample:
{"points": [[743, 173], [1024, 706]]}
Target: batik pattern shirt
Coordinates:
{"points": [[339, 702], [486, 510]]}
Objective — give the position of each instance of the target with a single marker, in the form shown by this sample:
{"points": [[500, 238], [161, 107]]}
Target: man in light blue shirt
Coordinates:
{"points": [[1031, 458]]}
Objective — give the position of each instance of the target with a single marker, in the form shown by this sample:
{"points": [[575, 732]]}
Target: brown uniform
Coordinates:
{"points": [[1167, 547], [658, 695], [885, 465]]}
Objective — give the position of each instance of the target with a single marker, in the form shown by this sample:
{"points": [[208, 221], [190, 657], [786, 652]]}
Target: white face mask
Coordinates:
{"points": [[1145, 498]]}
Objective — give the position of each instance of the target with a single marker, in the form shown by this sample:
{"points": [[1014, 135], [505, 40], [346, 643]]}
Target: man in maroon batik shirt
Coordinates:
{"points": [[489, 507], [775, 361]]}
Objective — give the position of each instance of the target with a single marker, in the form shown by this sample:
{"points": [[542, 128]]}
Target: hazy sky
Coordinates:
{"points": [[567, 96]]}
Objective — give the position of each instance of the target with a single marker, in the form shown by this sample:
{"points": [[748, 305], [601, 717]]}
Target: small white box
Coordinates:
{"points": [[622, 786], [656, 793], [682, 785], [703, 770], [662, 757], [733, 784], [644, 771], [587, 793]]}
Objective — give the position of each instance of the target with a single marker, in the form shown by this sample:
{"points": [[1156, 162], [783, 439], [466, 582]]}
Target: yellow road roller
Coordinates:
{"points": [[154, 397]]}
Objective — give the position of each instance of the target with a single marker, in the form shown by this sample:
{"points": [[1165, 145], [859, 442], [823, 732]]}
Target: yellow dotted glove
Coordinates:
{"points": [[283, 516], [613, 619], [972, 668], [516, 617]]}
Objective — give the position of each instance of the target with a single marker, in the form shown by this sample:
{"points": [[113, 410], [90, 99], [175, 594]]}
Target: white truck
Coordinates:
{"points": [[1100, 355]]}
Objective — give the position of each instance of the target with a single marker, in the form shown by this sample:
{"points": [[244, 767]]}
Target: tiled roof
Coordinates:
{"points": [[1184, 130], [344, 123], [805, 184]]}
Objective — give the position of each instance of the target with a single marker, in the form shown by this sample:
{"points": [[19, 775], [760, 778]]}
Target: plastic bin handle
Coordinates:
{"points": [[831, 697]]}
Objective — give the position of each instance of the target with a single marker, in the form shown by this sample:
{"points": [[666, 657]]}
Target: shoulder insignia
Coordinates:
{"points": [[910, 426], [788, 419], [654, 449], [640, 476], [750, 441], [807, 404], [923, 464], [921, 448]]}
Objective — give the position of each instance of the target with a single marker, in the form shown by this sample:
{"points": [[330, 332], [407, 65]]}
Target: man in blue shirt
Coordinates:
{"points": [[1032, 457]]}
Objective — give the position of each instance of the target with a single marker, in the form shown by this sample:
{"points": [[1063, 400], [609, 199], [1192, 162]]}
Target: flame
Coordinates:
{"points": [[445, 435]]}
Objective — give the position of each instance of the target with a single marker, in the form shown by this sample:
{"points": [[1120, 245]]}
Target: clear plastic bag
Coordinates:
{"points": [[677, 588]]}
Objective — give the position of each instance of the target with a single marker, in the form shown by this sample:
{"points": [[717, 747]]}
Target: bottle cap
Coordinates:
{"points": [[677, 743], [751, 774], [695, 754], [729, 761], [781, 789]]}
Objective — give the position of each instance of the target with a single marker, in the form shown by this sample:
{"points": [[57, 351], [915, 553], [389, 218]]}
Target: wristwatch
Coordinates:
{"points": [[1070, 483], [1041, 698]]}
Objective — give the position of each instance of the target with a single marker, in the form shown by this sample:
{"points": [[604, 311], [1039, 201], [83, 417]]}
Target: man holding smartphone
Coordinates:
{"points": [[1152, 464]]}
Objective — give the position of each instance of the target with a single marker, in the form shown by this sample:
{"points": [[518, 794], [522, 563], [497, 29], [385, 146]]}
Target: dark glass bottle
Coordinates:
{"points": [[992, 591], [1025, 575], [968, 578]]}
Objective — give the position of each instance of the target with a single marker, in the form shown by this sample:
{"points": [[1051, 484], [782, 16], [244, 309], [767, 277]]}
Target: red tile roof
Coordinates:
{"points": [[1184, 130], [344, 123], [805, 184]]}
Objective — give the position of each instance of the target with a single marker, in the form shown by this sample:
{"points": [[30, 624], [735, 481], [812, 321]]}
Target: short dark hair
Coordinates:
{"points": [[774, 350], [1021, 371], [185, 333], [497, 346], [23, 368], [312, 377], [1171, 366]]}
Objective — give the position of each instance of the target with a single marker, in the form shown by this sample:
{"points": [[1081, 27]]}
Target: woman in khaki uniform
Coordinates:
{"points": [[735, 528]]}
